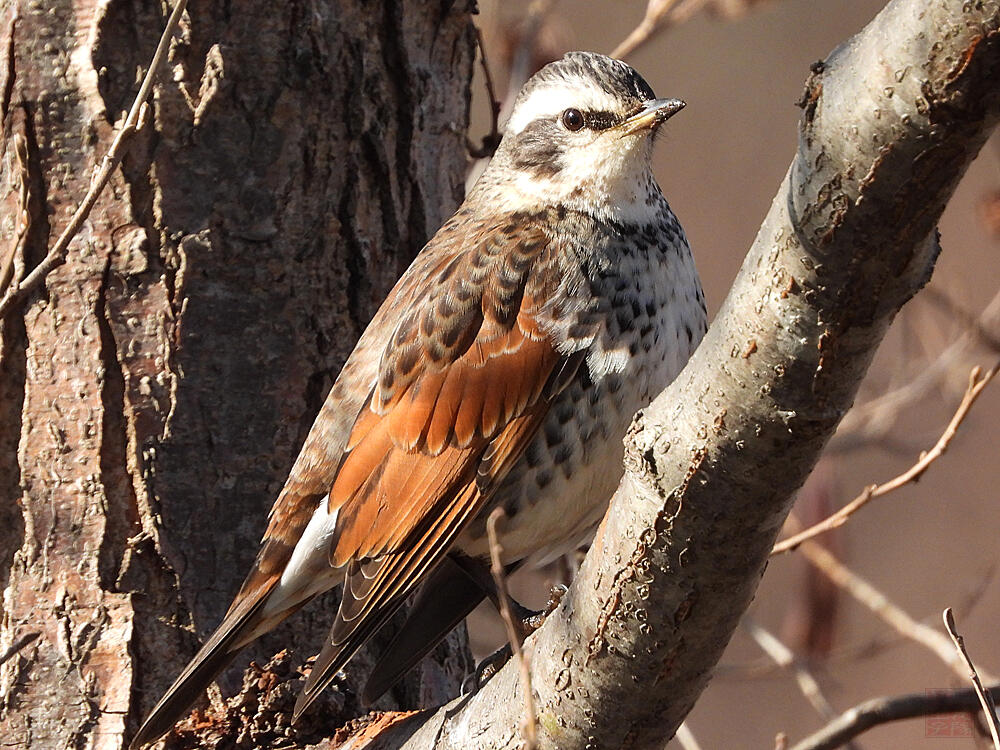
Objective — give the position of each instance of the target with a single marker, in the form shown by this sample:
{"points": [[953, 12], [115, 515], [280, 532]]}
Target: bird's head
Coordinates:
{"points": [[580, 134]]}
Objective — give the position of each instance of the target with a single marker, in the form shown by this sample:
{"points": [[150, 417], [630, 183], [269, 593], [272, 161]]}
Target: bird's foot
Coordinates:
{"points": [[556, 594], [486, 669], [526, 621]]}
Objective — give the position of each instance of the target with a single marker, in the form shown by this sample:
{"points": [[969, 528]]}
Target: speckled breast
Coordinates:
{"points": [[637, 291]]}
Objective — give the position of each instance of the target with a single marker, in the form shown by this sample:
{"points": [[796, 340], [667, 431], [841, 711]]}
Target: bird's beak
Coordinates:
{"points": [[652, 114]]}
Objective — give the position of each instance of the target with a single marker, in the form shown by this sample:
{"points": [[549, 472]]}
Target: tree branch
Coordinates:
{"points": [[891, 121], [977, 382], [877, 711]]}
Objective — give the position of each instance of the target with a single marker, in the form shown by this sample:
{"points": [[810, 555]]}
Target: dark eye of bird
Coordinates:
{"points": [[572, 119]]}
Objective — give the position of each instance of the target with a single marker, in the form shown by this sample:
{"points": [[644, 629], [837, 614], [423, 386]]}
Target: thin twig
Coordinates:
{"points": [[656, 15], [12, 267], [17, 645], [972, 322], [529, 729], [660, 15], [989, 707], [492, 139], [785, 657], [877, 711], [873, 420], [865, 593], [975, 387], [765, 668], [664, 14], [56, 256], [523, 60]]}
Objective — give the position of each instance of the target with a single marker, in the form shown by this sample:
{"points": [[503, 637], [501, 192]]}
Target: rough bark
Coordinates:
{"points": [[891, 120], [154, 394]]}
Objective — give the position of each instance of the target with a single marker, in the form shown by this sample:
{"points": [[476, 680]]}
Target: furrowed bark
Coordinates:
{"points": [[154, 393], [891, 120]]}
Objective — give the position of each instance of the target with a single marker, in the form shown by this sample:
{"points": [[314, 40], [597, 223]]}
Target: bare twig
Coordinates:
{"points": [[663, 14], [134, 119], [977, 383], [865, 593], [784, 657], [12, 266], [955, 310], [529, 729], [873, 420], [659, 15], [17, 645], [989, 707], [524, 59], [877, 711], [492, 139], [766, 668]]}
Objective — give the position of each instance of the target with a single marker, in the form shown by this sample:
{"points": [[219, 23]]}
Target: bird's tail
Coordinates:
{"points": [[447, 597], [245, 621]]}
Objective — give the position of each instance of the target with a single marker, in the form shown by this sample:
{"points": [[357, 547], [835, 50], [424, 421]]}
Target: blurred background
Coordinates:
{"points": [[740, 66]]}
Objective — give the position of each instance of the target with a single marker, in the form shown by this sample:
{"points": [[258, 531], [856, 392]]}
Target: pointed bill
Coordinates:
{"points": [[653, 113]]}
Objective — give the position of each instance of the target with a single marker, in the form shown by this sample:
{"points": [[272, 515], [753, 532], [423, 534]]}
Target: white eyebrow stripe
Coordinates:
{"points": [[550, 101]]}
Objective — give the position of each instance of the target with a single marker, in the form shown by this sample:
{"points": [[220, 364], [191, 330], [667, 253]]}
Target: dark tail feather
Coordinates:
{"points": [[444, 601], [334, 656], [214, 656]]}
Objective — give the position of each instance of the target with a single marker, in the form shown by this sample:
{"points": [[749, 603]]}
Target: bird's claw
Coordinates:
{"points": [[556, 594], [486, 669], [528, 621]]}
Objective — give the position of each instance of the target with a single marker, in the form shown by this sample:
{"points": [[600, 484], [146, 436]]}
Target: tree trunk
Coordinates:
{"points": [[154, 394]]}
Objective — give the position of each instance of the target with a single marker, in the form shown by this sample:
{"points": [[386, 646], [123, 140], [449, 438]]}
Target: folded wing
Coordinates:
{"points": [[464, 385]]}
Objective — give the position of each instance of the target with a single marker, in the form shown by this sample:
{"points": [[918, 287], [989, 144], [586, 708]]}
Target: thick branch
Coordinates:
{"points": [[891, 121]]}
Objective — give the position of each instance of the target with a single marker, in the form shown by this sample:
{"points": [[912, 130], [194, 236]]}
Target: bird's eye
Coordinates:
{"points": [[572, 119]]}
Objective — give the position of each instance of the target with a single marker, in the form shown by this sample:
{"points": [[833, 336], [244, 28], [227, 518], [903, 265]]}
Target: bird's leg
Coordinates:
{"points": [[526, 621], [487, 668], [532, 621]]}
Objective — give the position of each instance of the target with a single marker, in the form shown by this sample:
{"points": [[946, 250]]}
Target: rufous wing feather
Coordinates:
{"points": [[451, 413]]}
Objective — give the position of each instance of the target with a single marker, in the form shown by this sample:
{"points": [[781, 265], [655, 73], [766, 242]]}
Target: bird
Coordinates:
{"points": [[502, 370]]}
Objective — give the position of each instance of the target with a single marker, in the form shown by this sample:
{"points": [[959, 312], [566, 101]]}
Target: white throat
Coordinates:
{"points": [[614, 184]]}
